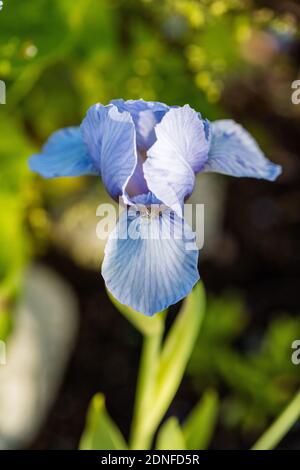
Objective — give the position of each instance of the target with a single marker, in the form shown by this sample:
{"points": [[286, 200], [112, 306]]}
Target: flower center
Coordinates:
{"points": [[152, 211]]}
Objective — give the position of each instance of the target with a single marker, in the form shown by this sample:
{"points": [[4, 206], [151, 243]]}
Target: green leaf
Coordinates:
{"points": [[176, 352], [145, 325], [5, 324], [21, 26], [170, 436], [200, 424], [281, 426], [101, 433]]}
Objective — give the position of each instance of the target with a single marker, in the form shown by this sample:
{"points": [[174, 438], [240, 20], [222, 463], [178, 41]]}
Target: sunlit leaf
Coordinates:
{"points": [[170, 436], [34, 25], [200, 424], [5, 324], [101, 433]]}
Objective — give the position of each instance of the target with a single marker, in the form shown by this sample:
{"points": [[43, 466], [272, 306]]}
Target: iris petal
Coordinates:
{"points": [[93, 128], [64, 154], [145, 114], [179, 152], [234, 152], [146, 266], [110, 137]]}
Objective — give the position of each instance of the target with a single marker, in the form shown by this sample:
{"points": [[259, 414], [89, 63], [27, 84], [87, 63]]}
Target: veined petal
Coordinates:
{"points": [[234, 152], [64, 154], [118, 154], [110, 137], [93, 128], [150, 263], [145, 115], [179, 152]]}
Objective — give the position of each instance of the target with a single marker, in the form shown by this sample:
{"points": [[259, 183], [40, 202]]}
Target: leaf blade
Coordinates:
{"points": [[170, 436], [200, 424], [100, 433]]}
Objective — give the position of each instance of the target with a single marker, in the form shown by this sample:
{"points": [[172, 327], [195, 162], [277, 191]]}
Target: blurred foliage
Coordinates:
{"points": [[58, 57], [200, 425], [14, 196], [254, 370], [101, 433], [5, 325], [170, 436]]}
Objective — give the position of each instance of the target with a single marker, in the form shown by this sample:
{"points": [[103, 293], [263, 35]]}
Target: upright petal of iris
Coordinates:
{"points": [[145, 115], [181, 150], [110, 136]]}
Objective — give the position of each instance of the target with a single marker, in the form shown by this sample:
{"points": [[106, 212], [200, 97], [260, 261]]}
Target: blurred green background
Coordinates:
{"points": [[226, 58]]}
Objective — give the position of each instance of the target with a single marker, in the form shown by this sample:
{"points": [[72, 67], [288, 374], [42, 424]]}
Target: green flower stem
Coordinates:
{"points": [[141, 437], [162, 367], [280, 427]]}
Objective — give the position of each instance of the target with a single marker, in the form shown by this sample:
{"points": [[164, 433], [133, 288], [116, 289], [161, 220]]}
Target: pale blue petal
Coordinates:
{"points": [[154, 270], [118, 154], [145, 115], [110, 137], [64, 154], [179, 152], [234, 152], [93, 127]]}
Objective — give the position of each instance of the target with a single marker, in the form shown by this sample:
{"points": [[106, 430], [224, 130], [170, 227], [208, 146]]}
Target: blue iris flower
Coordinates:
{"points": [[147, 152]]}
